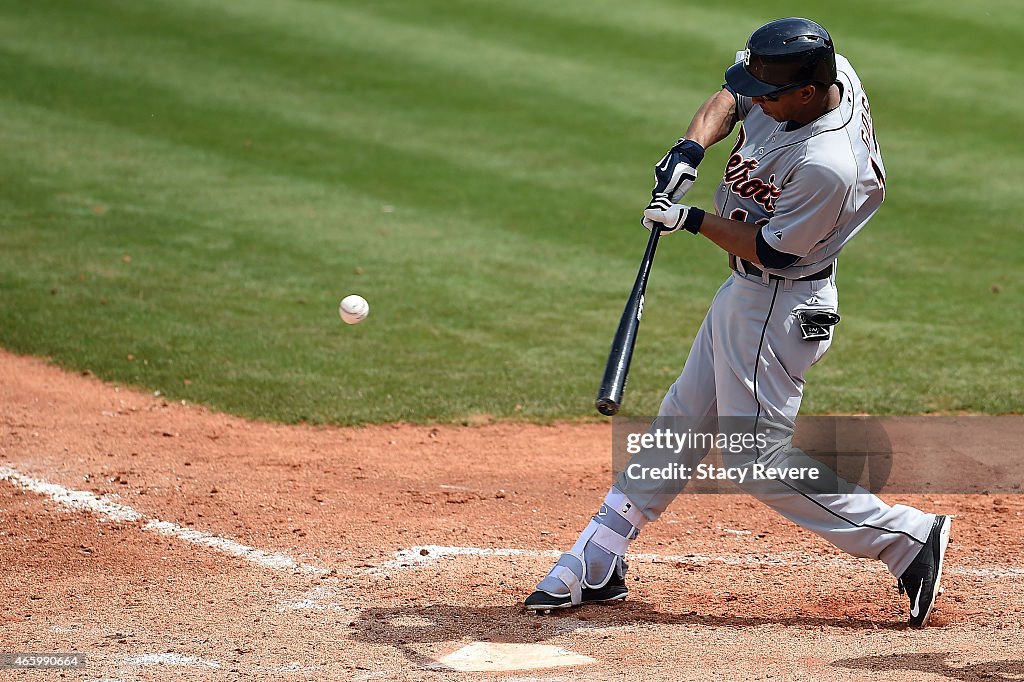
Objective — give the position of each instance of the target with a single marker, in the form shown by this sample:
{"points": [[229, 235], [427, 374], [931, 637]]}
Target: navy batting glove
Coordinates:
{"points": [[676, 172]]}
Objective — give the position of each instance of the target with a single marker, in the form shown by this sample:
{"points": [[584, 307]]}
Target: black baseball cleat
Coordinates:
{"points": [[921, 581], [614, 591]]}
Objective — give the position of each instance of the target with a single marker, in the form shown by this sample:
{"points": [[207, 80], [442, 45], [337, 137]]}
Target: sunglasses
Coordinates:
{"points": [[774, 96]]}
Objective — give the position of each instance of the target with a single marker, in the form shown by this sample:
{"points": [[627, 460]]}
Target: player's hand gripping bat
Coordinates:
{"points": [[609, 397]]}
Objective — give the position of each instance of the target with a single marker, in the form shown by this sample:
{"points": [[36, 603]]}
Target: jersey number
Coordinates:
{"points": [[867, 136]]}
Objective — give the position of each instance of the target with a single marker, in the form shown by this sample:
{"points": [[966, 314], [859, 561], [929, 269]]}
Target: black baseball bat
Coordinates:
{"points": [[609, 396]]}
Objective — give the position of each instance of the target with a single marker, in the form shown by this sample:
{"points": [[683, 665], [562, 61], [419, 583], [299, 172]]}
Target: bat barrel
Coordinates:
{"points": [[613, 384], [607, 406]]}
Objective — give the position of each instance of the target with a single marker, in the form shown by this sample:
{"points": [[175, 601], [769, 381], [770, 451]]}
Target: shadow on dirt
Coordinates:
{"points": [[406, 627], [935, 663]]}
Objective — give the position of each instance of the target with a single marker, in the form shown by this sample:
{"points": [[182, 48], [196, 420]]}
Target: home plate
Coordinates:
{"points": [[499, 656]]}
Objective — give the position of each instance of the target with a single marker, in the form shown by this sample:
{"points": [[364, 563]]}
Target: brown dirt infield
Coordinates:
{"points": [[373, 518]]}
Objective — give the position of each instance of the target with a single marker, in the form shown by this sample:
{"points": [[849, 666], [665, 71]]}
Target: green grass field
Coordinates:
{"points": [[188, 188]]}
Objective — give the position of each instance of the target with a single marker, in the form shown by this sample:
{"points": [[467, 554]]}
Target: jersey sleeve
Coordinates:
{"points": [[808, 209], [743, 103]]}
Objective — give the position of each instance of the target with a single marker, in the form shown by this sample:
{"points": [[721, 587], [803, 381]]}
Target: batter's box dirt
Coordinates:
{"points": [[419, 572]]}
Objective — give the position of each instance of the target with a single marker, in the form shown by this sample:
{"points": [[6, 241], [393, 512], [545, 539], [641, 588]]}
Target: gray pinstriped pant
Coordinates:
{"points": [[748, 359]]}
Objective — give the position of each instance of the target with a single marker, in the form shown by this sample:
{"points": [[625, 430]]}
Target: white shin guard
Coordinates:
{"points": [[599, 551]]}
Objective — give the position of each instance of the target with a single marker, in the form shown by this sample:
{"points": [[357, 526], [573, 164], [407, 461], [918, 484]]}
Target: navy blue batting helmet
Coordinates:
{"points": [[782, 55]]}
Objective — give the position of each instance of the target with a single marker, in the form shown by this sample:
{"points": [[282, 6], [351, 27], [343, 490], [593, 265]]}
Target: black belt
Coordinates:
{"points": [[751, 269]]}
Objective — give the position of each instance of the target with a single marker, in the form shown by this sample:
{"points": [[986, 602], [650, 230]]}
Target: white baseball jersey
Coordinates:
{"points": [[811, 189]]}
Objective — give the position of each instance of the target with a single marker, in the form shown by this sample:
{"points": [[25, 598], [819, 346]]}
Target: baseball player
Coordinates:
{"points": [[805, 175]]}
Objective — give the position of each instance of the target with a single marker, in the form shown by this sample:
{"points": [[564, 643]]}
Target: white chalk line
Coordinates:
{"points": [[105, 508], [174, 659], [423, 555], [171, 658], [419, 555], [321, 598], [414, 557]]}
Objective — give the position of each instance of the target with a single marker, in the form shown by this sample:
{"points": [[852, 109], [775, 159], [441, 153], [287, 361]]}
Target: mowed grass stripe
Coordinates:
{"points": [[303, 105], [263, 206], [478, 283], [318, 152], [980, 32], [434, 43], [987, 13], [497, 284], [444, 131], [903, 56], [647, 39], [286, 146], [549, 154], [462, 57]]}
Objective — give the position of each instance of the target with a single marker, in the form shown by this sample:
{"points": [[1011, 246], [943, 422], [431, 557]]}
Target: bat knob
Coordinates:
{"points": [[606, 406]]}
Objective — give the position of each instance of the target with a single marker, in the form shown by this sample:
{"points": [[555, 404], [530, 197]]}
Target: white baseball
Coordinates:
{"points": [[353, 309]]}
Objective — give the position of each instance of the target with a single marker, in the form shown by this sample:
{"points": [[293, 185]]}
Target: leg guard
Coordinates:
{"points": [[597, 556]]}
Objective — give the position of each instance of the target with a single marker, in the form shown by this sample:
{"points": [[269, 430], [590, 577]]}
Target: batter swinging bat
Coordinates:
{"points": [[609, 397]]}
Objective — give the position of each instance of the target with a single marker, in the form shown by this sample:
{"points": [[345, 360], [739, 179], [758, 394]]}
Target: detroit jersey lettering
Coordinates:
{"points": [[810, 189]]}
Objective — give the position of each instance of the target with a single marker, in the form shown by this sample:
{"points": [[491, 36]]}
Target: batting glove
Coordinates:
{"points": [[669, 217], [675, 173]]}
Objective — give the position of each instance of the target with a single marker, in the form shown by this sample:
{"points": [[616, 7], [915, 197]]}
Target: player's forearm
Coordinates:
{"points": [[734, 236], [714, 120]]}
